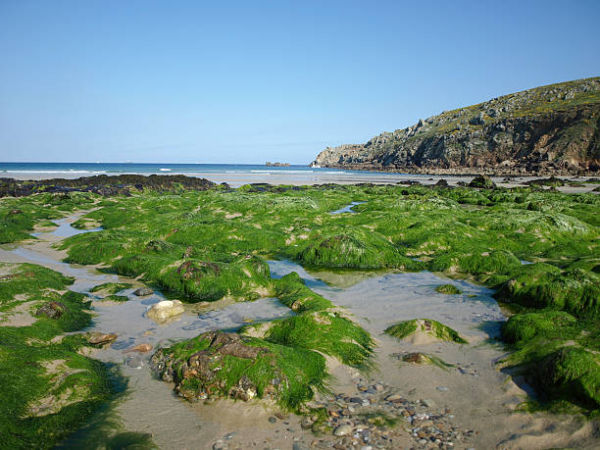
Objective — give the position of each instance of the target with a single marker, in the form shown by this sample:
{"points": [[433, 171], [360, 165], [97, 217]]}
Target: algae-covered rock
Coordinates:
{"points": [[482, 182], [219, 364], [546, 286], [52, 310], [522, 328], [572, 373], [448, 289], [355, 249], [424, 331]]}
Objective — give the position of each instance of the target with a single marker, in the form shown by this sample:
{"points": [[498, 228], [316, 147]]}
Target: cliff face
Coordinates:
{"points": [[547, 130]]}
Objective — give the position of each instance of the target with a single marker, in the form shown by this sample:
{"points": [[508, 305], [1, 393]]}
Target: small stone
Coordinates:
{"points": [[299, 446], [307, 422], [143, 291], [342, 430], [219, 445], [442, 389], [101, 338], [394, 398], [272, 419], [428, 403]]}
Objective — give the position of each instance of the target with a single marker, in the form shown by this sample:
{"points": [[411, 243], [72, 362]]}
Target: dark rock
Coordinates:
{"points": [[143, 291], [482, 182]]}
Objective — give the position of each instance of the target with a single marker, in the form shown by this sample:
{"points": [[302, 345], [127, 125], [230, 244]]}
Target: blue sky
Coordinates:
{"points": [[252, 81]]}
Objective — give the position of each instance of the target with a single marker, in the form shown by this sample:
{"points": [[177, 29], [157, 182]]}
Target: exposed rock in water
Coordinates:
{"points": [[143, 291], [102, 338], [140, 348], [52, 310], [164, 310], [551, 129]]}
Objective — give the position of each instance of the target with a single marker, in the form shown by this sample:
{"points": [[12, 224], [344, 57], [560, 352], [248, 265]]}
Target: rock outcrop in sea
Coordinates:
{"points": [[552, 129]]}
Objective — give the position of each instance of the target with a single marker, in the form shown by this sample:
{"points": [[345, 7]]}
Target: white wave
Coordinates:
{"points": [[162, 169], [281, 171], [53, 171]]}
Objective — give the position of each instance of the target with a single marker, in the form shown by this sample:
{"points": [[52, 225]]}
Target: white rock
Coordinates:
{"points": [[164, 310], [343, 430]]}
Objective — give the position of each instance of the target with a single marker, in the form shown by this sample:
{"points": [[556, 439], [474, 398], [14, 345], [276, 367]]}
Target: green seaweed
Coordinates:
{"points": [[406, 328]]}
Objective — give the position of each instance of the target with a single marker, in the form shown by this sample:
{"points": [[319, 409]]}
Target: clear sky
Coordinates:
{"points": [[254, 81]]}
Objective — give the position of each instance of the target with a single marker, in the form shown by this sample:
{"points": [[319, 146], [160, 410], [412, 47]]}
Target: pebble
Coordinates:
{"points": [[342, 430], [272, 419], [442, 388]]}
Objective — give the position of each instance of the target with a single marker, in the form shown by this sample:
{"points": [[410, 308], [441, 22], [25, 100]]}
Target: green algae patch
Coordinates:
{"points": [[547, 286], [569, 374], [212, 244], [19, 216], [110, 288], [48, 389], [355, 249], [326, 332], [424, 331], [448, 289], [522, 328], [292, 292]]}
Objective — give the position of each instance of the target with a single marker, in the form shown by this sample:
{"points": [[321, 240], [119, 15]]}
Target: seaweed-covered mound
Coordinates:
{"points": [[352, 249], [422, 331], [241, 367], [448, 289]]}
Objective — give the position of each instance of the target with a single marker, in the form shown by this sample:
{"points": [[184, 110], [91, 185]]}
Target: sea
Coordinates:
{"points": [[233, 174]]}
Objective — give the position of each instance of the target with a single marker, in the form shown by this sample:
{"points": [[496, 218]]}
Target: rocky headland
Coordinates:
{"points": [[552, 129]]}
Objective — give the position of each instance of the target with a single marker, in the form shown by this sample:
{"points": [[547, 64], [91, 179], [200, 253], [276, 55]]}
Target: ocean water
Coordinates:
{"points": [[234, 174]]}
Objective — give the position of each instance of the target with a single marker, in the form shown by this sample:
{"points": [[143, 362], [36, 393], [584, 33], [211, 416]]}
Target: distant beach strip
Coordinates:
{"points": [[233, 174]]}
